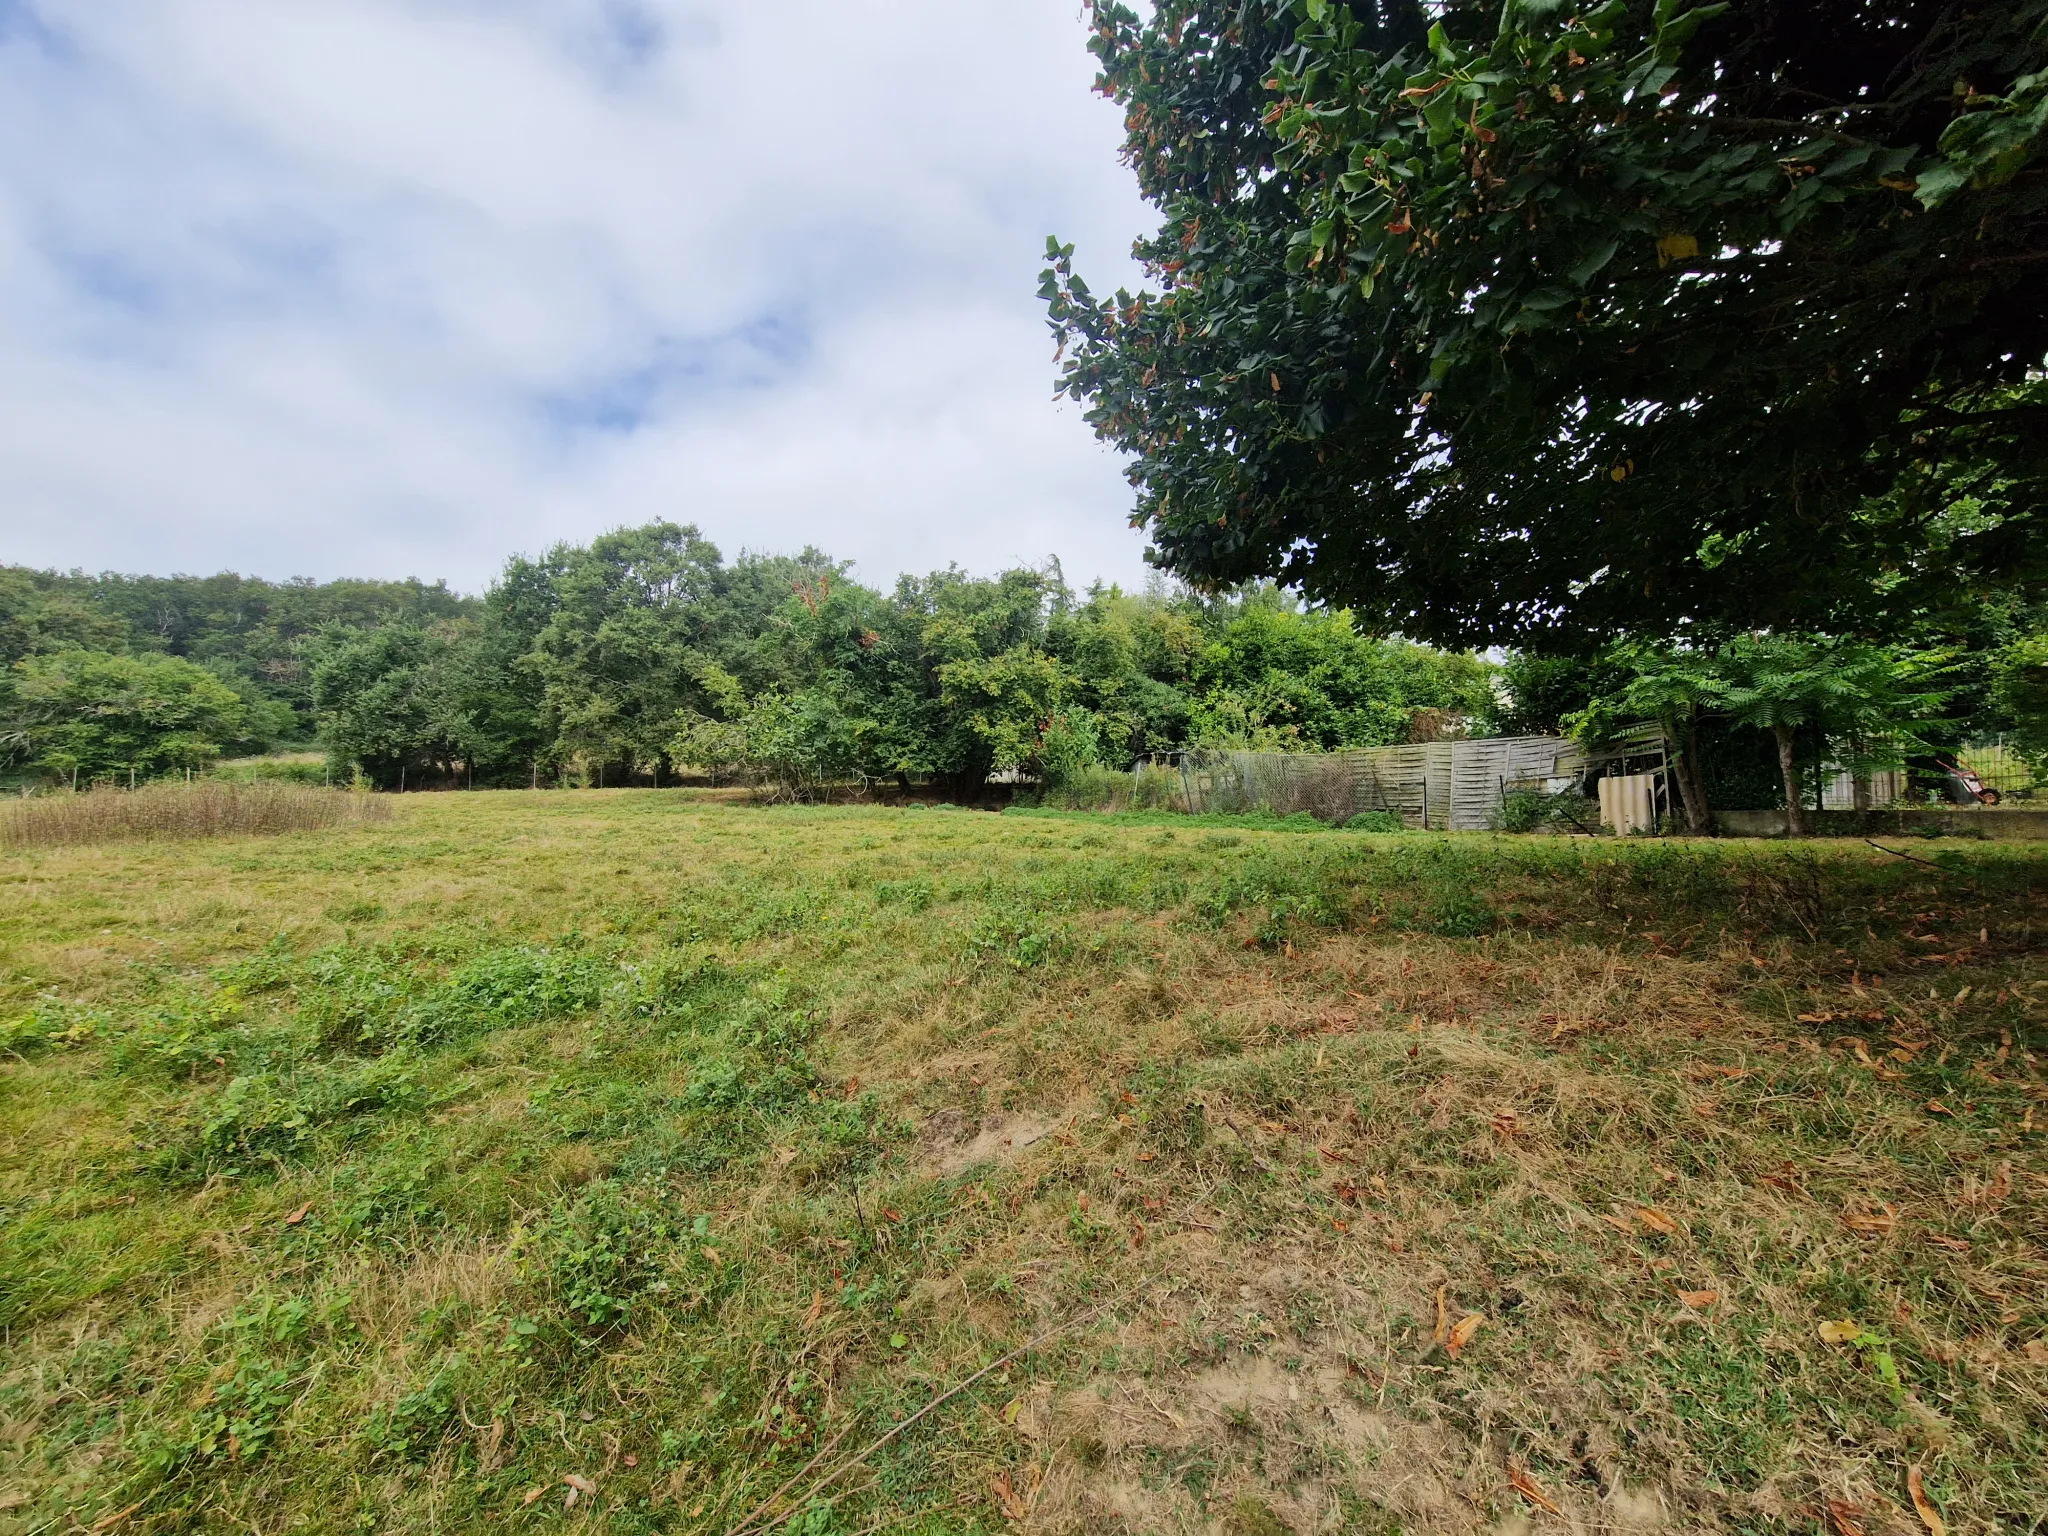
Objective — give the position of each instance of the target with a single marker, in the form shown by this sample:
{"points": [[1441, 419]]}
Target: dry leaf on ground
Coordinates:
{"points": [[1013, 1508], [1872, 1223], [1656, 1220], [1461, 1335], [1443, 1315], [1699, 1298], [299, 1215], [1528, 1488], [1929, 1515], [1845, 1517], [108, 1522]]}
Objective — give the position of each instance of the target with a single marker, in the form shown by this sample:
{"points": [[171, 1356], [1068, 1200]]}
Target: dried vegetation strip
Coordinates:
{"points": [[209, 808], [1428, 1184]]}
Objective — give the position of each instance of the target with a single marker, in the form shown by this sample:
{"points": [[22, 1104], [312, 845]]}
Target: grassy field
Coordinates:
{"points": [[639, 1162]]}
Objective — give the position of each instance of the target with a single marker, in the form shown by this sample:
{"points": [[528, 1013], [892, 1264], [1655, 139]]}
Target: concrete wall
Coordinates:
{"points": [[2029, 826]]}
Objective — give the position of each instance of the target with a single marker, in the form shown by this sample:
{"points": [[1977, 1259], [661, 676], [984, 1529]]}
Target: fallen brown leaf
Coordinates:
{"points": [[1443, 1315], [1461, 1335], [1699, 1298], [108, 1522], [1929, 1515], [299, 1215], [532, 1494], [1656, 1220], [1844, 1517], [816, 1311], [1871, 1223], [1013, 1508], [1529, 1489], [1621, 1224]]}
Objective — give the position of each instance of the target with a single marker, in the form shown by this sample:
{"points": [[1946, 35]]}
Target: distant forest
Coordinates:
{"points": [[646, 654]]}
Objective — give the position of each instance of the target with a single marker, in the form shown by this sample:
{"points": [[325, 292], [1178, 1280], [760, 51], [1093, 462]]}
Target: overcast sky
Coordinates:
{"points": [[401, 287]]}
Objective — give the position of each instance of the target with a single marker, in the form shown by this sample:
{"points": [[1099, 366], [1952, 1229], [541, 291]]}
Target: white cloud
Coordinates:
{"points": [[402, 286]]}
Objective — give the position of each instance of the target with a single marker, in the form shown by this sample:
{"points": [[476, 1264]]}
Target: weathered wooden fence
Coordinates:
{"points": [[1452, 786]]}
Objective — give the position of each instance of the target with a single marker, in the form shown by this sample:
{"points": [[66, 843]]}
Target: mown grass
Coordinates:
{"points": [[639, 1148]]}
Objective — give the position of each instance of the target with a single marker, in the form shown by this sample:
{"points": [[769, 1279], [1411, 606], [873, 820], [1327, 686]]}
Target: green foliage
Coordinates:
{"points": [[2021, 690], [596, 1257], [248, 632], [1535, 323], [90, 714]]}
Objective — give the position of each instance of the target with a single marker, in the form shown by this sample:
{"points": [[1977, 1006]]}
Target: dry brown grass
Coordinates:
{"points": [[159, 812]]}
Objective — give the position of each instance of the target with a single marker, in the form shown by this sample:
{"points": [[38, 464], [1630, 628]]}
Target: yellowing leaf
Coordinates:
{"points": [[1461, 1335], [1843, 1332], [1929, 1515], [1677, 247]]}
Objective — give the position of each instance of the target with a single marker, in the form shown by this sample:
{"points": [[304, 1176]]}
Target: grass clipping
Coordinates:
{"points": [[159, 812]]}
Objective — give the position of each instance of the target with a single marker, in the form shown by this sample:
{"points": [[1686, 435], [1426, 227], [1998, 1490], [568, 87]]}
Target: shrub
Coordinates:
{"points": [[209, 808], [1376, 821], [1530, 810]]}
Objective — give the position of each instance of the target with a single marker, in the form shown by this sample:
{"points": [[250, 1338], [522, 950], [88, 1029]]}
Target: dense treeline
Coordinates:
{"points": [[646, 654]]}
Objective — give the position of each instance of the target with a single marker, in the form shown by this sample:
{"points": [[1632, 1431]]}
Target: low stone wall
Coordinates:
{"points": [[2025, 826]]}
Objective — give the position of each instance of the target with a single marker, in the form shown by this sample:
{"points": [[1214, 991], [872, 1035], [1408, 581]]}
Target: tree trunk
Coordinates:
{"points": [[1795, 811], [1692, 789], [1860, 789]]}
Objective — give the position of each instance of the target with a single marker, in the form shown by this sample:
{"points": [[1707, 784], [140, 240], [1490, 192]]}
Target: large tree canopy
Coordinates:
{"points": [[1506, 320]]}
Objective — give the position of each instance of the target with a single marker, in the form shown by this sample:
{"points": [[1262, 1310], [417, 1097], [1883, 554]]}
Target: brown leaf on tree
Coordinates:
{"points": [[1656, 1220], [1529, 1489], [1930, 1517], [1461, 1335], [1845, 1517]]}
